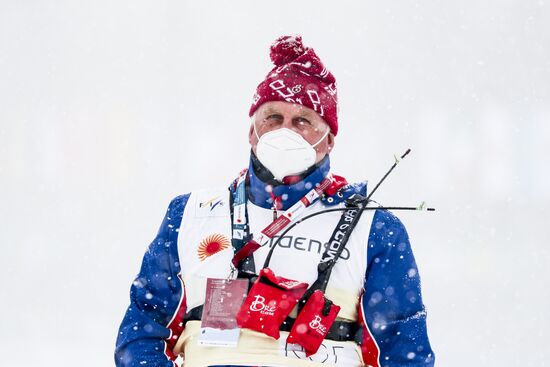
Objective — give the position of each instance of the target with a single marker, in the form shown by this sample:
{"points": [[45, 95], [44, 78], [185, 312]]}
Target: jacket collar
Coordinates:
{"points": [[263, 188]]}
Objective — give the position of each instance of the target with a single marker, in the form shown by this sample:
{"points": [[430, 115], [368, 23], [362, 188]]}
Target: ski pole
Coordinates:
{"points": [[362, 207]]}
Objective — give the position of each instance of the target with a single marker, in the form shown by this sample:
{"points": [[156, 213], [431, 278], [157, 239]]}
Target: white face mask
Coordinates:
{"points": [[285, 152]]}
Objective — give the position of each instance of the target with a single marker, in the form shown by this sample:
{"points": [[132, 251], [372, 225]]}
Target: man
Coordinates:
{"points": [[374, 280]]}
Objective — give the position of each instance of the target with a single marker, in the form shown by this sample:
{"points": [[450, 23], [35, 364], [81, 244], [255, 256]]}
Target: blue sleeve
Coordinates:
{"points": [[392, 302], [149, 329]]}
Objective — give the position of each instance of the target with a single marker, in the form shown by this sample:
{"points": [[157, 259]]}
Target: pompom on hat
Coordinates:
{"points": [[300, 77]]}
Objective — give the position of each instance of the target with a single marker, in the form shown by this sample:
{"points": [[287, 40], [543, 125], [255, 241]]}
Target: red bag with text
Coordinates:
{"points": [[269, 302], [313, 322]]}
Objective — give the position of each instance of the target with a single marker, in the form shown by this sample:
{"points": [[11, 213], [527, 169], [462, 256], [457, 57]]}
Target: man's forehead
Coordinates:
{"points": [[280, 107]]}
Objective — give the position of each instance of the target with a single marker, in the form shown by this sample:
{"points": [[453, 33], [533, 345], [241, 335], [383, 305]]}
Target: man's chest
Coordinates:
{"points": [[204, 246]]}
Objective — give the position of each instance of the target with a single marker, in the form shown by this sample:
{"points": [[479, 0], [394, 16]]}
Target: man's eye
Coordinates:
{"points": [[302, 121], [274, 118]]}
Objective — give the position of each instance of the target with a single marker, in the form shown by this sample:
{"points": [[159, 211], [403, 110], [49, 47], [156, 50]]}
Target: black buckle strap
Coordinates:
{"points": [[340, 331]]}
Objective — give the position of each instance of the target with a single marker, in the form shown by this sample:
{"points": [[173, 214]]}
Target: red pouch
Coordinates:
{"points": [[313, 322], [269, 302]]}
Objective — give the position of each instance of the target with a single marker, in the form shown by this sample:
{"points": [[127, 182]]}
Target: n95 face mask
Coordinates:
{"points": [[285, 152]]}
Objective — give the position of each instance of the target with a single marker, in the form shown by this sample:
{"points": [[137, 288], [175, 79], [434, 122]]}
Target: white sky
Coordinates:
{"points": [[110, 109]]}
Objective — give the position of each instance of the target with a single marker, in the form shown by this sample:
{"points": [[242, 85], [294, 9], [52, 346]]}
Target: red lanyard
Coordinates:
{"points": [[240, 217]]}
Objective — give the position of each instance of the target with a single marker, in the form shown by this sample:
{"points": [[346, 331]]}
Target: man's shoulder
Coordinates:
{"points": [[383, 220], [344, 193], [386, 224]]}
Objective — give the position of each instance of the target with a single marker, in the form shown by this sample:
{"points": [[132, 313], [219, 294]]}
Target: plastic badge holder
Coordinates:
{"points": [[269, 302], [313, 323]]}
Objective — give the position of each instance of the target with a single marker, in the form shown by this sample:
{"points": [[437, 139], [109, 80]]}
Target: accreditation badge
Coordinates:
{"points": [[223, 299]]}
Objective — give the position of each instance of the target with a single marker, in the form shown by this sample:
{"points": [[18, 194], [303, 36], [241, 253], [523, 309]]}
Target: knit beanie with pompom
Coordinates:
{"points": [[300, 77]]}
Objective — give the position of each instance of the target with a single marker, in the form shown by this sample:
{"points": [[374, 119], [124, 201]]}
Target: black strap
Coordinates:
{"points": [[340, 331], [338, 240]]}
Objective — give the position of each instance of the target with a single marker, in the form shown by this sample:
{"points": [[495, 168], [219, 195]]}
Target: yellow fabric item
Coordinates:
{"points": [[258, 349], [347, 301]]}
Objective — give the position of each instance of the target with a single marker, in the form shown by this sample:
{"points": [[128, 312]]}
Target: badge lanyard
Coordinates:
{"points": [[245, 243]]}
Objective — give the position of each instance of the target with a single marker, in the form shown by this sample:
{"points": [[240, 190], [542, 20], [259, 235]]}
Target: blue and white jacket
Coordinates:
{"points": [[375, 281]]}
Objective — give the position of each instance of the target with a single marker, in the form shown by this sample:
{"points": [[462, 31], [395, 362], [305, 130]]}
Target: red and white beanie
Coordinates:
{"points": [[299, 76]]}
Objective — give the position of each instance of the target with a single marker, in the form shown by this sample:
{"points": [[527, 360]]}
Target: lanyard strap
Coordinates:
{"points": [[244, 244], [239, 215]]}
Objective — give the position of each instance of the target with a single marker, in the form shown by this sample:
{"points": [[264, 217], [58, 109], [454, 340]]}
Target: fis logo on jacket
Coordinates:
{"points": [[212, 203], [211, 206]]}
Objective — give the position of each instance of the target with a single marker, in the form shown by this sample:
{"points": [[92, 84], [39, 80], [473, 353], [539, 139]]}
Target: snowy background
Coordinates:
{"points": [[109, 109]]}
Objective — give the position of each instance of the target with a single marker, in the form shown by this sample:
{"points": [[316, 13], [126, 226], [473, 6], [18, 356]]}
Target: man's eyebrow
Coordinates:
{"points": [[305, 113], [271, 110], [302, 113]]}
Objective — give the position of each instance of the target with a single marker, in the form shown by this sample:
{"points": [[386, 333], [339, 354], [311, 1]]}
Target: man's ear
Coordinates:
{"points": [[330, 141], [251, 135]]}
